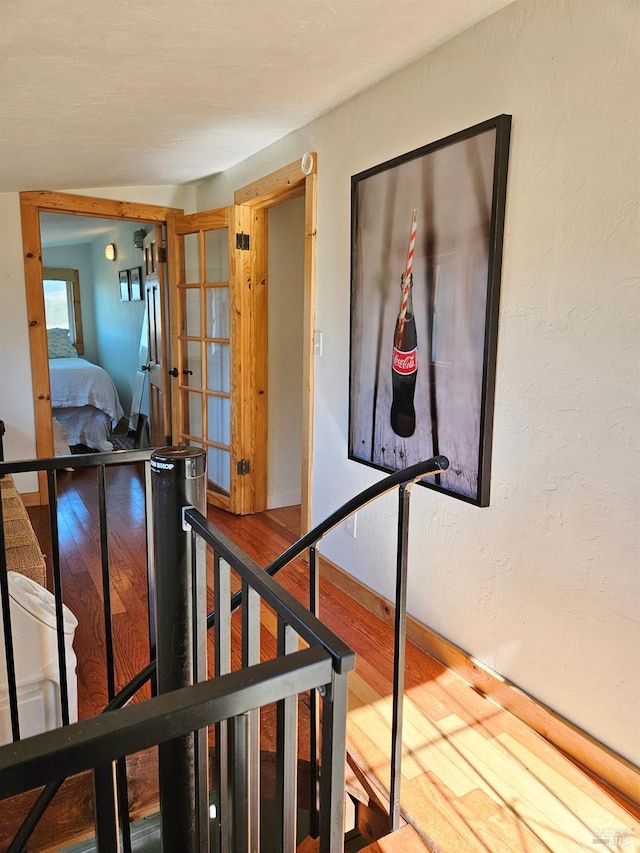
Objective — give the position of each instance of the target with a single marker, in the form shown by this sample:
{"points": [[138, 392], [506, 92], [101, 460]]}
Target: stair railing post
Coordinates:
{"points": [[314, 704], [332, 776], [178, 481], [399, 654]]}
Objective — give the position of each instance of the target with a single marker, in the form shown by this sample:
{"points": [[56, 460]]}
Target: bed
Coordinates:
{"points": [[84, 401]]}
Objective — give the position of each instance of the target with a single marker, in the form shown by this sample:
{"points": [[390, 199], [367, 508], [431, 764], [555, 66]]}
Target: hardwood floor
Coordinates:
{"points": [[474, 777]]}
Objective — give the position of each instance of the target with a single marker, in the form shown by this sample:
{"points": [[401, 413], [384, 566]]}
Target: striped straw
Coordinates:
{"points": [[407, 274]]}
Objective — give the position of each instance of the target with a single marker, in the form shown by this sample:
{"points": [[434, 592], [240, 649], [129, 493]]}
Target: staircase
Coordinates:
{"points": [[186, 704], [466, 783]]}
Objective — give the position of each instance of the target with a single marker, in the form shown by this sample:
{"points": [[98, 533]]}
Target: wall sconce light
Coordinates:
{"points": [[138, 238], [110, 252]]}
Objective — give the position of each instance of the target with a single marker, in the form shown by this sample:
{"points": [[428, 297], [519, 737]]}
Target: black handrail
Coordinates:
{"points": [[310, 540], [398, 478], [100, 740]]}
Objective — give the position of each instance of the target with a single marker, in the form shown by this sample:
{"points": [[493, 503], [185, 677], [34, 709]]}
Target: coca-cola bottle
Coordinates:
{"points": [[404, 368]]}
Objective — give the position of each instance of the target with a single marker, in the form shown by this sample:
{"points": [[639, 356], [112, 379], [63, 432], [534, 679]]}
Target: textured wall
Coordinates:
{"points": [[543, 585]]}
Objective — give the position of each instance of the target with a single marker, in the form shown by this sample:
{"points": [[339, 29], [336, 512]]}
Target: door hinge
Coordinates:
{"points": [[162, 255], [243, 467], [242, 241]]}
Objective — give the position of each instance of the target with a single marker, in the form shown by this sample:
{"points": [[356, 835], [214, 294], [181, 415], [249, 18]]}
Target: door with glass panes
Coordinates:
{"points": [[211, 344]]}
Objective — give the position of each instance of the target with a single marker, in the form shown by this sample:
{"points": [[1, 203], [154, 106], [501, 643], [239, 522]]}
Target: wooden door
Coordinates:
{"points": [[156, 366], [213, 342]]}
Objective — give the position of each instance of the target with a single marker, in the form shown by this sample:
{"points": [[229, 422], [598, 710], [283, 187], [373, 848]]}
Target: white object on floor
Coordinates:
{"points": [[60, 439], [35, 648]]}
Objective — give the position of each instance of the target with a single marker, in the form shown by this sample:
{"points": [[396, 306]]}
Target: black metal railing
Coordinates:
{"points": [[237, 778], [99, 462], [403, 481], [45, 758]]}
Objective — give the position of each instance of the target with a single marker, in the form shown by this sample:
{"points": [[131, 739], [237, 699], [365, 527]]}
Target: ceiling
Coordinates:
{"points": [[61, 229], [149, 92]]}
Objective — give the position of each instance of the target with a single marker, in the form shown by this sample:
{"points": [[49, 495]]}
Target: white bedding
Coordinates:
{"points": [[85, 401]]}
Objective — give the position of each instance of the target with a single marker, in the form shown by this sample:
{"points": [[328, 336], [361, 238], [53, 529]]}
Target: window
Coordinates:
{"points": [[61, 289]]}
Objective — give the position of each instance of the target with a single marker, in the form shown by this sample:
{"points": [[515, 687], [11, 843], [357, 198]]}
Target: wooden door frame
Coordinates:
{"points": [[31, 205], [287, 183]]}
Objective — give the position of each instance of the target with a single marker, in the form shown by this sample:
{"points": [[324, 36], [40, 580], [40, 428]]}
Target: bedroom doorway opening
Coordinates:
{"points": [[79, 281], [124, 269]]}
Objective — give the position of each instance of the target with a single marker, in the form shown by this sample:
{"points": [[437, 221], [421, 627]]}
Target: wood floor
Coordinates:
{"points": [[474, 777]]}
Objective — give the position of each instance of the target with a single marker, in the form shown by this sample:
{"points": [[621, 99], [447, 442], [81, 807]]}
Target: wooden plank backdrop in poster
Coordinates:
{"points": [[457, 187]]}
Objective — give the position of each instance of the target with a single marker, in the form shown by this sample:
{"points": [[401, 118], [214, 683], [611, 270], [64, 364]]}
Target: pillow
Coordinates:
{"points": [[59, 344]]}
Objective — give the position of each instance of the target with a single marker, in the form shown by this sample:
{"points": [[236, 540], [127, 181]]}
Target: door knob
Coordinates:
{"points": [[173, 371]]}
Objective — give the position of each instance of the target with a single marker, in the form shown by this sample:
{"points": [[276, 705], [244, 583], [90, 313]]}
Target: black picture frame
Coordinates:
{"points": [[438, 213], [123, 277], [135, 284]]}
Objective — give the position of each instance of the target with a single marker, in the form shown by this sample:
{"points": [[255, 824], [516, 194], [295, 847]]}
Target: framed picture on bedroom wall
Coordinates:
{"points": [[135, 284], [426, 255], [123, 275]]}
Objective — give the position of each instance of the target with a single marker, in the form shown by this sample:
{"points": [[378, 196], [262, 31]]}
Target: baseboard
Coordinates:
{"points": [[283, 499], [596, 758], [30, 498]]}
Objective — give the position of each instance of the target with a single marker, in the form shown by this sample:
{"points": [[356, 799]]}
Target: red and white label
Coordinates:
{"points": [[405, 363]]}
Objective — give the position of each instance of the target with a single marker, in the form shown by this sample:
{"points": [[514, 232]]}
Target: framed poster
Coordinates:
{"points": [[426, 255], [135, 282], [123, 277]]}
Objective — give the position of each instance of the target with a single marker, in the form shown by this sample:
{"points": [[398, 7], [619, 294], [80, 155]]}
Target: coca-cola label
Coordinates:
{"points": [[405, 363]]}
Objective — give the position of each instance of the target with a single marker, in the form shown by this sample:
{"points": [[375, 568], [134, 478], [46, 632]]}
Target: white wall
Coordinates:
{"points": [[286, 292], [16, 399], [543, 585], [118, 322]]}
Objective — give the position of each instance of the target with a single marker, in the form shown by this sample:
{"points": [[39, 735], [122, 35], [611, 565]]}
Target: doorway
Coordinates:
{"points": [[296, 180], [285, 250], [32, 205]]}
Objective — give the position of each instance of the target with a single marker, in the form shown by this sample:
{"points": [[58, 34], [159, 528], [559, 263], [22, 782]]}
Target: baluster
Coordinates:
{"points": [[106, 586], [332, 778], [151, 592], [121, 764], [222, 607], [286, 748], [199, 673], [239, 780], [52, 494], [105, 809], [8, 635], [399, 644], [250, 657], [314, 705]]}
